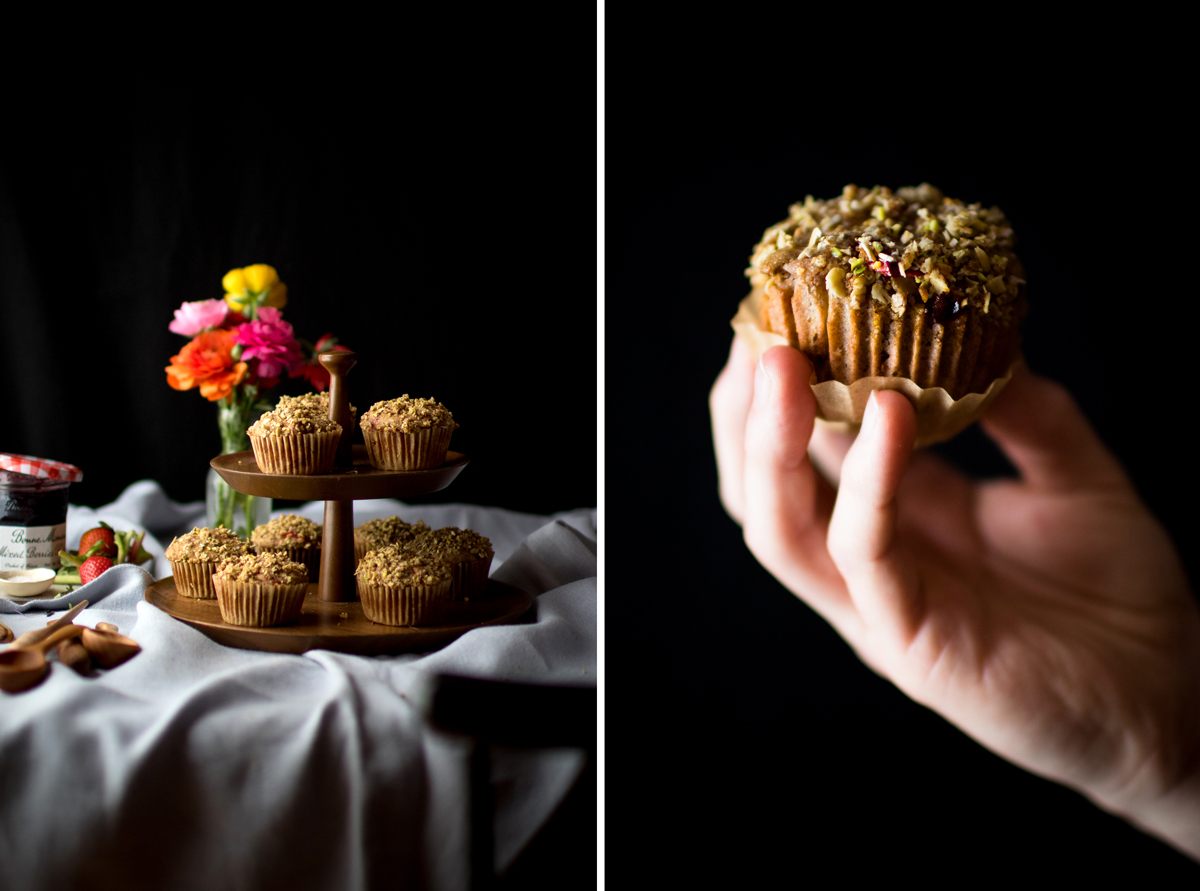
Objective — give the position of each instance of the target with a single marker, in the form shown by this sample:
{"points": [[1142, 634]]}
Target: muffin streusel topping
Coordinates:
{"points": [[452, 544], [288, 531], [407, 414], [393, 566], [206, 546], [271, 568], [911, 247], [390, 530], [295, 416], [310, 401]]}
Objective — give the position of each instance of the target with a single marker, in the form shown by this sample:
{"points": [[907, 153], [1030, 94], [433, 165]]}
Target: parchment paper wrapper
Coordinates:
{"points": [[395, 605], [195, 579], [258, 605], [470, 578], [840, 407], [422, 449], [305, 454]]}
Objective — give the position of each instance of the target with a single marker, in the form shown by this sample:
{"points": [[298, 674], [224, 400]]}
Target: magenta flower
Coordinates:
{"points": [[192, 318], [269, 339]]}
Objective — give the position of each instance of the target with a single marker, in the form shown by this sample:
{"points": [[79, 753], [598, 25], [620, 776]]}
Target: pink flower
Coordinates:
{"points": [[269, 339], [192, 318]]}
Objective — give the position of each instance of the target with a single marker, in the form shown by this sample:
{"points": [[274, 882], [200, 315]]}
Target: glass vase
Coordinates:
{"points": [[234, 510], [223, 506]]}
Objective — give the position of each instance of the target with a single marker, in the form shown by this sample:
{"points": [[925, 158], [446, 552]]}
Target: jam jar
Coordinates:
{"points": [[33, 510]]}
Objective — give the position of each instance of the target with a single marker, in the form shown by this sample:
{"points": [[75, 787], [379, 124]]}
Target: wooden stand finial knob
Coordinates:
{"points": [[338, 363]]}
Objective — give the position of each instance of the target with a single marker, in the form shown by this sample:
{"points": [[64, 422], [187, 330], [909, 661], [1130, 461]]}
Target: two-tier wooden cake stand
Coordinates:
{"points": [[332, 617]]}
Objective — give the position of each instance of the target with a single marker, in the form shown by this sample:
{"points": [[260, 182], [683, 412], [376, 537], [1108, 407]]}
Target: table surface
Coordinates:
{"points": [[244, 753]]}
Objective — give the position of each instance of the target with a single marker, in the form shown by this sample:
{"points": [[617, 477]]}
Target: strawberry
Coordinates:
{"points": [[103, 534], [93, 567]]}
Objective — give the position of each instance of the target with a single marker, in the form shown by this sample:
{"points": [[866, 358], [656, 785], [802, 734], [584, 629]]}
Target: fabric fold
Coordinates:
{"points": [[195, 765]]}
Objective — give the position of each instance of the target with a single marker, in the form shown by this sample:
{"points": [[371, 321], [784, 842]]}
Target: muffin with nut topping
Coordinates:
{"points": [[317, 402], [908, 284], [295, 537], [375, 534], [400, 588], [260, 590], [407, 433], [196, 555], [295, 438], [468, 554]]}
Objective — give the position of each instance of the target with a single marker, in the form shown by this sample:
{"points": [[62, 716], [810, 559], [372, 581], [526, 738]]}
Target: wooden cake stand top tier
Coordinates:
{"points": [[240, 470], [332, 618]]}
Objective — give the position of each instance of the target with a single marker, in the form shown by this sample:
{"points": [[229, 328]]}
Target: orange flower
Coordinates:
{"points": [[208, 362]]}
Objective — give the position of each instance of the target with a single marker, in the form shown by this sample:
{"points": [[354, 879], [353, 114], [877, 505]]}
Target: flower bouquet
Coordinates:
{"points": [[240, 348]]}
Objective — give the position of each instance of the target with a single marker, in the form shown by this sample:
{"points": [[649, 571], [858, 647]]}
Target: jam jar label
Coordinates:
{"points": [[31, 547]]}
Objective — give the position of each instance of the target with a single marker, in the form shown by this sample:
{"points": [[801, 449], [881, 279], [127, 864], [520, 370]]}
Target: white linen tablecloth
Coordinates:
{"points": [[196, 765]]}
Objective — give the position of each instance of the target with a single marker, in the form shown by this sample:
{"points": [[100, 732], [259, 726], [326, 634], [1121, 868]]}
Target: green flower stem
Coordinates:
{"points": [[234, 413]]}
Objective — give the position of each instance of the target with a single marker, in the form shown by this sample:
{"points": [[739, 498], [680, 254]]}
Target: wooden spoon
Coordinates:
{"points": [[5, 633], [25, 666], [108, 648], [40, 634], [74, 655]]}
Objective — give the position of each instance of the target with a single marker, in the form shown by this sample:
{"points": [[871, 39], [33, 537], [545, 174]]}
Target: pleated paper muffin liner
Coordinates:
{"points": [[841, 406], [257, 604], [195, 579], [410, 605], [304, 454], [310, 558], [470, 578], [361, 549], [419, 450]]}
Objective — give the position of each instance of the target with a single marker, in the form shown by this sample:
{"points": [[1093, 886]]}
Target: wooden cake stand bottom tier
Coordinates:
{"points": [[342, 627]]}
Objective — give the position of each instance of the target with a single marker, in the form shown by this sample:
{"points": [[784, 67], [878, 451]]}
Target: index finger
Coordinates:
{"points": [[729, 404]]}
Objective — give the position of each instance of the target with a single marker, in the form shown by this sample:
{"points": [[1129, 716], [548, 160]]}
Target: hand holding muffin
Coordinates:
{"points": [[1048, 617]]}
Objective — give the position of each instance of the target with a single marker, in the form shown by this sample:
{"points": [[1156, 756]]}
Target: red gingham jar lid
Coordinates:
{"points": [[43, 468]]}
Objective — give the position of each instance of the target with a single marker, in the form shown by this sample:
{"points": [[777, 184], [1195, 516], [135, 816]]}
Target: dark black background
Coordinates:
{"points": [[432, 245], [747, 744]]}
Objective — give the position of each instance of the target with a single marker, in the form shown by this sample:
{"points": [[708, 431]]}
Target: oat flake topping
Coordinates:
{"points": [[393, 566], [453, 545], [390, 530], [271, 568], [911, 247], [293, 416], [288, 531], [407, 414], [206, 546]]}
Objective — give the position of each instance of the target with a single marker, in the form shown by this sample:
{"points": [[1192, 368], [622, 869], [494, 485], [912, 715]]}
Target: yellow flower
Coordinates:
{"points": [[277, 296], [259, 278], [255, 286], [234, 282]]}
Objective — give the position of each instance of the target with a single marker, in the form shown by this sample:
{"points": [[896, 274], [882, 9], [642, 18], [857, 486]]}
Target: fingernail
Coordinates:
{"points": [[762, 382], [870, 415]]}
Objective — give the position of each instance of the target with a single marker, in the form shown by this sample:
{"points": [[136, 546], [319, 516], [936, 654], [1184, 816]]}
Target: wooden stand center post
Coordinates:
{"points": [[337, 537]]}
